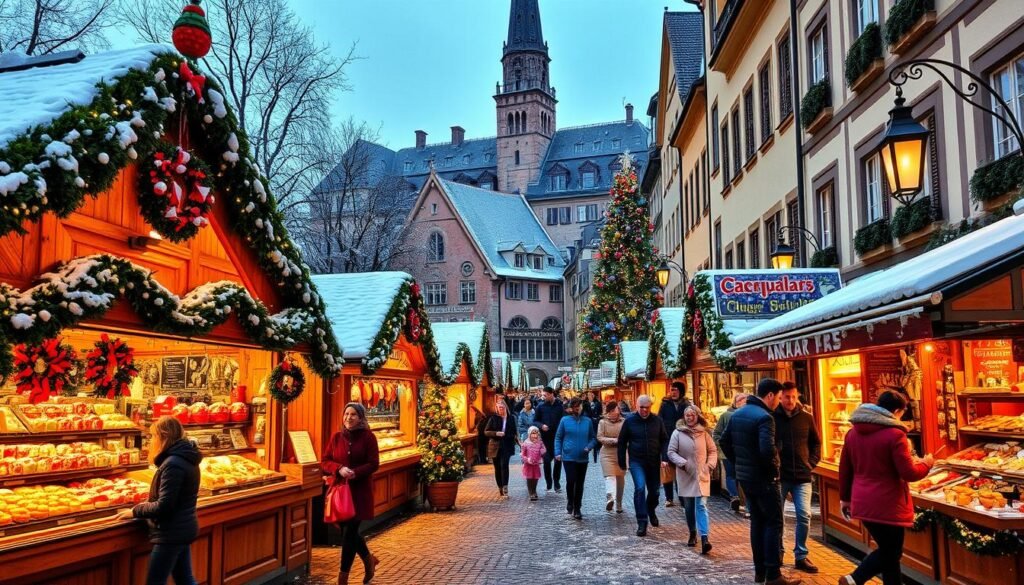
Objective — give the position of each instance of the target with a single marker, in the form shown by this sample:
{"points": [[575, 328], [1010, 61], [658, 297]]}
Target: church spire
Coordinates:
{"points": [[524, 30]]}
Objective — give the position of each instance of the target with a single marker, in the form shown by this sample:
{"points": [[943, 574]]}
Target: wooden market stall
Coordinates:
{"points": [[146, 272], [465, 352], [631, 373], [945, 328], [666, 354], [603, 381]]}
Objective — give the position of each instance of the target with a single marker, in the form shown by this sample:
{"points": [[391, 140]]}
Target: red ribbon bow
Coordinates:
{"points": [[192, 81]]}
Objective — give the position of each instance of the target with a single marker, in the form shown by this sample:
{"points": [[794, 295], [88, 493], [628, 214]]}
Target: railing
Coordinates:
{"points": [[524, 85], [724, 23]]}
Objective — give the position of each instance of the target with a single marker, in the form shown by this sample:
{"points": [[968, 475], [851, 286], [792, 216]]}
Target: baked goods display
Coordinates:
{"points": [[399, 453], [64, 417], [26, 504], [996, 423], [231, 470], [19, 460], [1005, 457], [937, 478], [9, 422]]}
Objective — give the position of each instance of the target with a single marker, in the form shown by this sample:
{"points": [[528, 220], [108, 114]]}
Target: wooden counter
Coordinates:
{"points": [[247, 536], [395, 483]]}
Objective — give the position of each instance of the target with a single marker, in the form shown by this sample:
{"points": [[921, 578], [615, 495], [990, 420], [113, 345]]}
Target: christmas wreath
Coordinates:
{"points": [[174, 195], [287, 382], [110, 367], [45, 369]]}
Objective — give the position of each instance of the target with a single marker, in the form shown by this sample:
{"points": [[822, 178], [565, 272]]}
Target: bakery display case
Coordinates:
{"points": [[390, 411], [840, 383]]}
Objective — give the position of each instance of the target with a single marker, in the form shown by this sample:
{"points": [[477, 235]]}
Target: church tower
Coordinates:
{"points": [[525, 100]]}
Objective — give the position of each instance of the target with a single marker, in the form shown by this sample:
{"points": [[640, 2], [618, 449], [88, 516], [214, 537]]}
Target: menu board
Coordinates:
{"points": [[172, 373], [990, 363], [884, 372]]}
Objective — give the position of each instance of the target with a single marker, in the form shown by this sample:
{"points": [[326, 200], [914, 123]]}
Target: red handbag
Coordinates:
{"points": [[338, 505]]}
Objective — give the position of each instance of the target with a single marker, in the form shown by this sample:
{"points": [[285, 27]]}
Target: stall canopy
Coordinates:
{"points": [[518, 380], [722, 305], [975, 279], [68, 130], [369, 311], [666, 346], [465, 343], [603, 376], [631, 363], [501, 369]]}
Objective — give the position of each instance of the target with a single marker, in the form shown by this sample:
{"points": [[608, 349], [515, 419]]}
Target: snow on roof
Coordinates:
{"points": [[357, 305], [672, 319], [634, 360], [501, 364], [38, 95], [449, 336], [518, 371], [499, 221], [921, 275]]}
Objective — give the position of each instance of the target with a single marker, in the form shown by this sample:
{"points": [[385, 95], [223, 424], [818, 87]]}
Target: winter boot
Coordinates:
{"points": [[641, 528], [693, 539], [370, 563], [342, 578], [705, 546]]}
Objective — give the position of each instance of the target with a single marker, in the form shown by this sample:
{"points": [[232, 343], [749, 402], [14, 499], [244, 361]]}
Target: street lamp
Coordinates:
{"points": [[784, 255], [902, 149], [664, 271]]}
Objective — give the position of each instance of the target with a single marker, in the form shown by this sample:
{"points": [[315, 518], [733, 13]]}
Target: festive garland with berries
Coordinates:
{"points": [[673, 365], [287, 381], [110, 367], [999, 543], [174, 196], [51, 168], [477, 370], [45, 369], [705, 326]]}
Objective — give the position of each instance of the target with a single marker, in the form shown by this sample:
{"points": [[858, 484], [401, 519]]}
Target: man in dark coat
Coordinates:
{"points": [[644, 440], [549, 414], [749, 441], [799, 453], [671, 411]]}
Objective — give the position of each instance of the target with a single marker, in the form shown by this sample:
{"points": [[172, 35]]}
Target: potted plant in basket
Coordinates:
{"points": [[442, 460]]}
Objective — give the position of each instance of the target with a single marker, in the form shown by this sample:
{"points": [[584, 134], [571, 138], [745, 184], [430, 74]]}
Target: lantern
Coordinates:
{"points": [[782, 256], [902, 152]]}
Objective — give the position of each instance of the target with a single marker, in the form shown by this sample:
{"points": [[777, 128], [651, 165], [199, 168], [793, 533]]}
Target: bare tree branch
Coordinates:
{"points": [[39, 27]]}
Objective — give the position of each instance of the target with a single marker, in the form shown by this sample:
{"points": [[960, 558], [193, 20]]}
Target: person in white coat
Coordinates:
{"points": [[693, 453]]}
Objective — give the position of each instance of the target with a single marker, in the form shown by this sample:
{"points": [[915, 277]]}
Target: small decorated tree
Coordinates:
{"points": [[442, 460], [626, 290]]}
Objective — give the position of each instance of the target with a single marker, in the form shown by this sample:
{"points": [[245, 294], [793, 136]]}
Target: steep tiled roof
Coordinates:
{"points": [[524, 30], [572, 148], [685, 32], [379, 165], [500, 221], [472, 158]]}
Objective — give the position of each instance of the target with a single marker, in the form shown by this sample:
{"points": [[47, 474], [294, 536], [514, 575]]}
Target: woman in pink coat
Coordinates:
{"points": [[874, 470], [533, 451], [693, 453]]}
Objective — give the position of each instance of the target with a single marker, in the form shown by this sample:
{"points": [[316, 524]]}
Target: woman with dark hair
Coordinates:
{"points": [[874, 470], [352, 457], [171, 509], [502, 440]]}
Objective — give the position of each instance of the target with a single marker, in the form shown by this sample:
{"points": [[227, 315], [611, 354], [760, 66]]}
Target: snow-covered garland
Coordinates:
{"points": [[85, 288], [703, 327], [407, 312], [174, 195], [479, 371], [52, 167], [286, 382], [659, 348]]}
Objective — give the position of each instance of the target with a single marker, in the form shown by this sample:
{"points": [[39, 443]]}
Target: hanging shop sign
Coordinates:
{"points": [[764, 295], [398, 360], [895, 330]]}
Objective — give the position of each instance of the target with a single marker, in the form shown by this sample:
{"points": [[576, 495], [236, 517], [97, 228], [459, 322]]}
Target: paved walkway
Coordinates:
{"points": [[489, 540]]}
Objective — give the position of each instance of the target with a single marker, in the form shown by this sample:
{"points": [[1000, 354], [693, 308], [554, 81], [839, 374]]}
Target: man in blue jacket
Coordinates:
{"points": [[549, 414], [749, 441], [574, 440], [644, 439]]}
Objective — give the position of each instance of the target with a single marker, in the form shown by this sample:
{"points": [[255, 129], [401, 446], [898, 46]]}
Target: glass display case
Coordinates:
{"points": [[718, 388], [458, 395], [840, 382], [390, 412]]}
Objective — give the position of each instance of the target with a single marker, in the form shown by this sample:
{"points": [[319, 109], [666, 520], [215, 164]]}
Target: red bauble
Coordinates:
{"points": [[191, 34]]}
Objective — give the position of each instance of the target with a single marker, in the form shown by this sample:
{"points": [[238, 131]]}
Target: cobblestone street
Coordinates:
{"points": [[495, 541]]}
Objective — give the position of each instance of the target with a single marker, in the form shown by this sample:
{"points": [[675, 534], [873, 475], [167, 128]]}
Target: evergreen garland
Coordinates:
{"points": [[1000, 543], [54, 165], [441, 455], [281, 388], [659, 348], [626, 291], [704, 327]]}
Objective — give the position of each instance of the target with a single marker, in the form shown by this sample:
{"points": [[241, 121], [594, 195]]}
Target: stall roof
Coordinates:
{"points": [[603, 376], [357, 305], [518, 377], [465, 342], [666, 342], [501, 367], [916, 282], [632, 361]]}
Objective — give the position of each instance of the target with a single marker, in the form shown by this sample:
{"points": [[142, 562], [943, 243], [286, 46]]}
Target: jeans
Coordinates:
{"points": [[352, 544], [802, 501], [501, 467], [730, 478], [646, 480], [170, 560], [764, 501], [886, 558], [575, 478], [615, 484], [697, 519], [549, 457]]}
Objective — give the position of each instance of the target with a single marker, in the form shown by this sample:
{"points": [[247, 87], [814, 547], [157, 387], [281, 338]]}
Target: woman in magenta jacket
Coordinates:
{"points": [[352, 456], [874, 470]]}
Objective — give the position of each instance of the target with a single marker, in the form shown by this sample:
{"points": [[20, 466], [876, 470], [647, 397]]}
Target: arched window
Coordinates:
{"points": [[510, 123], [519, 124], [435, 247], [525, 127], [517, 157], [551, 323], [518, 323]]}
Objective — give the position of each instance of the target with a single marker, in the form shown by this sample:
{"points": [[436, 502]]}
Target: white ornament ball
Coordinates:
{"points": [[158, 302], [160, 188], [132, 154], [208, 119], [103, 157], [180, 169]]}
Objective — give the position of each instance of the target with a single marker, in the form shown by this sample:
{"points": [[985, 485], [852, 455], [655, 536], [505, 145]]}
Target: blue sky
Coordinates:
{"points": [[432, 64]]}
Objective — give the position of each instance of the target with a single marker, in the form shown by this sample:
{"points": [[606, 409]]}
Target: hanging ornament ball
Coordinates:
{"points": [[191, 33]]}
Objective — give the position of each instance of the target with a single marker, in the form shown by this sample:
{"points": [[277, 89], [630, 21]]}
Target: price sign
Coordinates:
{"points": [[303, 447]]}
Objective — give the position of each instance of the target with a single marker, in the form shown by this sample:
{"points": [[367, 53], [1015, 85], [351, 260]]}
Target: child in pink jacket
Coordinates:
{"points": [[533, 451]]}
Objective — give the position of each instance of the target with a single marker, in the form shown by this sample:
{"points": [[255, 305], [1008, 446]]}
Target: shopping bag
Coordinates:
{"points": [[338, 505], [668, 474]]}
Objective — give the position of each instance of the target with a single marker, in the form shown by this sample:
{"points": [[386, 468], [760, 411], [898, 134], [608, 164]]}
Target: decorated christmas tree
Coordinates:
{"points": [[442, 457], [626, 290]]}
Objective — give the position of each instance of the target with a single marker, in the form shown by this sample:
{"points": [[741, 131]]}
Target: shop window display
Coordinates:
{"points": [[718, 388], [840, 379], [390, 411]]}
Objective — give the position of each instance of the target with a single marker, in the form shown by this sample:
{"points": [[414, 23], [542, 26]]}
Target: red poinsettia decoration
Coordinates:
{"points": [[110, 367], [45, 369], [413, 323]]}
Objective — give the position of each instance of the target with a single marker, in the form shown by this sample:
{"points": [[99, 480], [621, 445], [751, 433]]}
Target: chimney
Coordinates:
{"points": [[629, 113], [458, 135], [421, 139]]}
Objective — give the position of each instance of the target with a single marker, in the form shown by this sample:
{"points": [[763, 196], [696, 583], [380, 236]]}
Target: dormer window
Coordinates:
{"points": [[487, 185], [408, 166], [465, 159], [538, 263], [616, 143], [597, 145], [588, 179], [520, 260], [578, 148], [447, 161], [551, 260], [488, 156], [558, 182]]}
